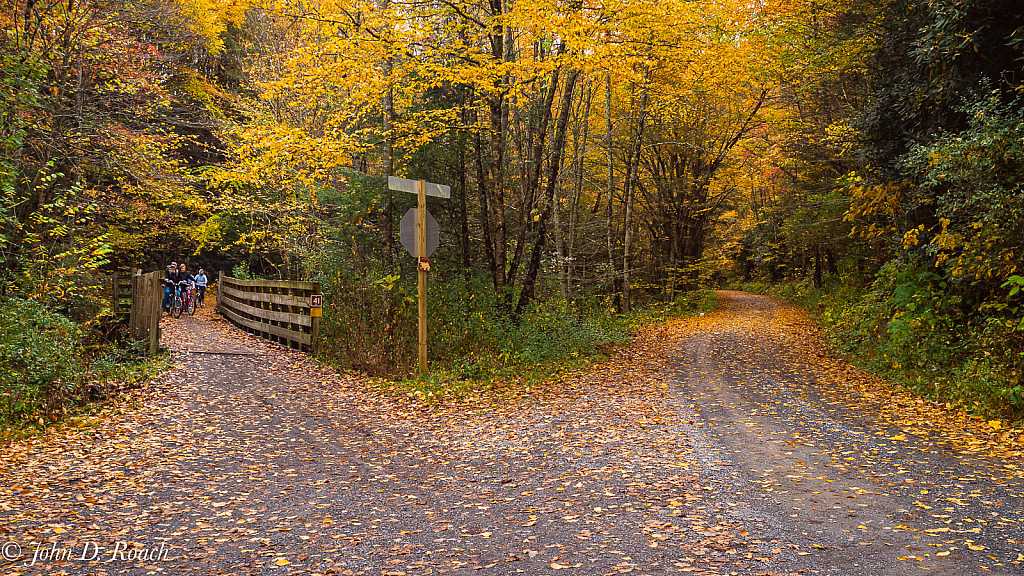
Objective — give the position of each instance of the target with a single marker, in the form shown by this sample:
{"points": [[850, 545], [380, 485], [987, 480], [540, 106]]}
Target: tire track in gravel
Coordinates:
{"points": [[794, 436]]}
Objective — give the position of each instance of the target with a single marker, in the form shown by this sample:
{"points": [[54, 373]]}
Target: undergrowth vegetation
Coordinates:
{"points": [[61, 348], [54, 366], [475, 344]]}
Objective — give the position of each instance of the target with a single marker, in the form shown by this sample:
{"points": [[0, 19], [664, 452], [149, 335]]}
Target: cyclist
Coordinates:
{"points": [[201, 281], [170, 278], [182, 277], [182, 280]]}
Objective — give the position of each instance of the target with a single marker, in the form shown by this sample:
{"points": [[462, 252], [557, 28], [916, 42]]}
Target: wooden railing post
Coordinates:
{"points": [[314, 327], [146, 308], [220, 289], [155, 311], [133, 318]]}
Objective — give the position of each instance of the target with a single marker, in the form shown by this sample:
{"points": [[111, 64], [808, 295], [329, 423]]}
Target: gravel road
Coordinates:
{"points": [[724, 444]]}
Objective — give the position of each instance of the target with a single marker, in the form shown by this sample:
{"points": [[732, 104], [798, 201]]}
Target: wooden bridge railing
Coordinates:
{"points": [[117, 288], [278, 310], [147, 293]]}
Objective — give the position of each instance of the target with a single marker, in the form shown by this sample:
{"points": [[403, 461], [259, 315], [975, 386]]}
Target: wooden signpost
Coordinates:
{"points": [[421, 189]]}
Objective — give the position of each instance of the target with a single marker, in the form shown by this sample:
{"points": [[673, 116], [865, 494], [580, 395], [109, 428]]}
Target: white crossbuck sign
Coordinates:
{"points": [[407, 185]]}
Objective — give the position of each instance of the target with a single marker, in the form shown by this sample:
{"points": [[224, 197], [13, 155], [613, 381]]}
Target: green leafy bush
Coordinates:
{"points": [[40, 352], [49, 365], [241, 271], [370, 324], [909, 327]]}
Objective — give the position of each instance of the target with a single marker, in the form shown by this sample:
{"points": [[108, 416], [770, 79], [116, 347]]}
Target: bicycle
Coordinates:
{"points": [[176, 301], [183, 300], [191, 299]]}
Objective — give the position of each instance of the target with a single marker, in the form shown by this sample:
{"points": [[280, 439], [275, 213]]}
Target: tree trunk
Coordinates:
{"points": [[628, 185], [673, 265], [557, 149], [496, 109], [497, 186], [485, 218], [817, 266], [386, 234], [830, 261], [463, 193], [556, 217], [609, 222]]}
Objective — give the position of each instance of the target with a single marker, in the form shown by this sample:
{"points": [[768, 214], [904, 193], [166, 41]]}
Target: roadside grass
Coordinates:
{"points": [[958, 366], [523, 358]]}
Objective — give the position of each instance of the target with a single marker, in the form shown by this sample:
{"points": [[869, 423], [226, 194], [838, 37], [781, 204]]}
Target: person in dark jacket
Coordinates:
{"points": [[169, 275], [182, 276]]}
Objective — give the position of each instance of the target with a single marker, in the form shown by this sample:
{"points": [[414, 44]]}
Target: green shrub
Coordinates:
{"points": [[370, 324], [241, 271], [49, 365], [40, 355]]}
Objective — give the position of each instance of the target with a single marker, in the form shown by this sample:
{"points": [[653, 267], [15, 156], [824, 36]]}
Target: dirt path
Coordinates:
{"points": [[874, 480], [248, 459]]}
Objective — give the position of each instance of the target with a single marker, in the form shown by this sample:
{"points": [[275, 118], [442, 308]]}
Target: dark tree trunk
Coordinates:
{"points": [[497, 186], [830, 261], [496, 109], [387, 242], [557, 147], [463, 213], [817, 266], [609, 221], [628, 193], [485, 221]]}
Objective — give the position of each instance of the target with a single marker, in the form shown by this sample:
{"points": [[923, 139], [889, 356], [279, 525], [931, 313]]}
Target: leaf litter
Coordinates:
{"points": [[248, 458]]}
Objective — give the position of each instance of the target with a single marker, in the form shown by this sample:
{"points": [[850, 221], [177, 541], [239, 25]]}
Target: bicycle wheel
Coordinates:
{"points": [[176, 307], [191, 305]]}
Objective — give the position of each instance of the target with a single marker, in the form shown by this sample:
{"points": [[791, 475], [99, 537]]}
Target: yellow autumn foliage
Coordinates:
{"points": [[210, 18]]}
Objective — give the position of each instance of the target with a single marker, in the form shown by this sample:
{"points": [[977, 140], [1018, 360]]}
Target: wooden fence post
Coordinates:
{"points": [[133, 318], [154, 338], [146, 309], [314, 325], [220, 289]]}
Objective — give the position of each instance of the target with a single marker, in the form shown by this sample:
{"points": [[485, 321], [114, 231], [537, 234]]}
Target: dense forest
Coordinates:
{"points": [[610, 161]]}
